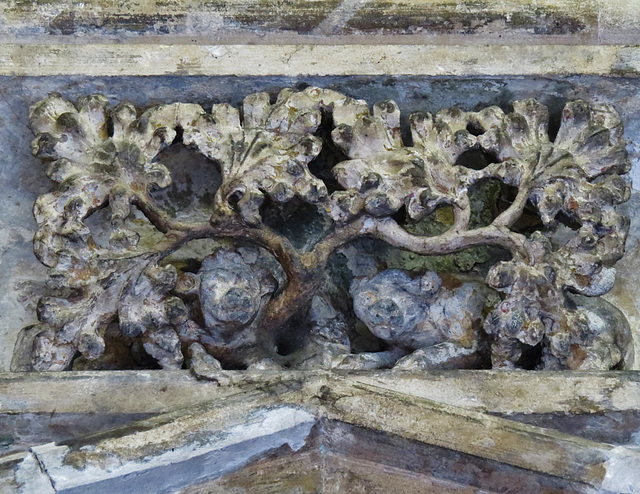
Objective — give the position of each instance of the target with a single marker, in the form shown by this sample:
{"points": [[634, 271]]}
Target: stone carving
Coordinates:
{"points": [[234, 289], [443, 325], [258, 291]]}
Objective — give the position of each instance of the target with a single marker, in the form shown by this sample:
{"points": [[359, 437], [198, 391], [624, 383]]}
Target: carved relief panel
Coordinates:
{"points": [[331, 235]]}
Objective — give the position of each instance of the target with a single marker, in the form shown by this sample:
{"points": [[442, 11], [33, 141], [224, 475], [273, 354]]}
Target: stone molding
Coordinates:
{"points": [[203, 442]]}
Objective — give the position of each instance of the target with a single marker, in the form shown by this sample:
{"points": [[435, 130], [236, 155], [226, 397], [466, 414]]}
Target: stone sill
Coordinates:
{"points": [[152, 392], [461, 411], [148, 59]]}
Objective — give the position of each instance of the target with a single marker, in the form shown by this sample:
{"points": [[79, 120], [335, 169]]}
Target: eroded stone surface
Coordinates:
{"points": [[103, 157], [601, 87], [326, 415], [438, 327]]}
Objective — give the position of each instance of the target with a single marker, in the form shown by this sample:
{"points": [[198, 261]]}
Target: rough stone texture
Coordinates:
{"points": [[310, 60], [431, 93], [510, 21], [437, 327], [197, 25], [353, 459], [104, 157], [219, 443]]}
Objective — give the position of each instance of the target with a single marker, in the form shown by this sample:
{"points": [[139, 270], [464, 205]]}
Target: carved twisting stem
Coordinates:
{"points": [[263, 152]]}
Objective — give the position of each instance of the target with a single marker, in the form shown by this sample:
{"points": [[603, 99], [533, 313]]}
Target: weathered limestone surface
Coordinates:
{"points": [[142, 59], [24, 178], [323, 436], [149, 392], [511, 21], [104, 157], [320, 419]]}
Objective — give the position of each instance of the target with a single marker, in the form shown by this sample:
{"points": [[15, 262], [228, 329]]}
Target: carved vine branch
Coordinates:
{"points": [[104, 157]]}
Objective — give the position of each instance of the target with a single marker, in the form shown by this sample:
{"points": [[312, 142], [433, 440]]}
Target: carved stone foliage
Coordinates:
{"points": [[340, 175]]}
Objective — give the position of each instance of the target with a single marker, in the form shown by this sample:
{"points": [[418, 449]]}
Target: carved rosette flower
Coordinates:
{"points": [[94, 169], [99, 157]]}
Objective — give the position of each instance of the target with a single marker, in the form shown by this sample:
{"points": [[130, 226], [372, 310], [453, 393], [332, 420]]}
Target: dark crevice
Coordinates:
{"points": [[299, 222], [329, 155], [530, 220], [292, 335], [195, 181], [555, 119], [475, 129], [400, 216], [110, 129], [568, 220], [178, 138], [531, 357], [476, 159]]}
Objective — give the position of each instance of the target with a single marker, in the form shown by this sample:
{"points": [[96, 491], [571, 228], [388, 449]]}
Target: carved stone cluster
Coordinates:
{"points": [[237, 307]]}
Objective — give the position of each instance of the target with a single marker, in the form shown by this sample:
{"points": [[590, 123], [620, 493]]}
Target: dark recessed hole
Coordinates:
{"points": [[110, 127], [234, 199], [507, 195], [476, 159], [555, 118], [475, 129], [195, 180], [329, 156], [405, 129], [121, 353], [178, 138], [298, 221], [292, 335], [529, 221], [568, 220], [400, 216], [531, 356]]}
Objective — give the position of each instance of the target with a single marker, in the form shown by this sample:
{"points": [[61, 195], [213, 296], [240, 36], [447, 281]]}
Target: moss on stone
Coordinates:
{"points": [[483, 200]]}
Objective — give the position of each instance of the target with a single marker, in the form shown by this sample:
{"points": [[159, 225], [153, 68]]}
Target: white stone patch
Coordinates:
{"points": [[31, 478], [217, 51], [265, 423], [623, 471], [634, 173], [624, 399], [369, 225]]}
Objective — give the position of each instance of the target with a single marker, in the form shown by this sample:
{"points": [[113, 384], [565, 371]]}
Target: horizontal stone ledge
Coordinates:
{"points": [[499, 392], [507, 20], [140, 59], [264, 417]]}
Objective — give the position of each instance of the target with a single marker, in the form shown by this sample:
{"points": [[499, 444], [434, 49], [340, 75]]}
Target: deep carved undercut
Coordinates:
{"points": [[537, 215]]}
